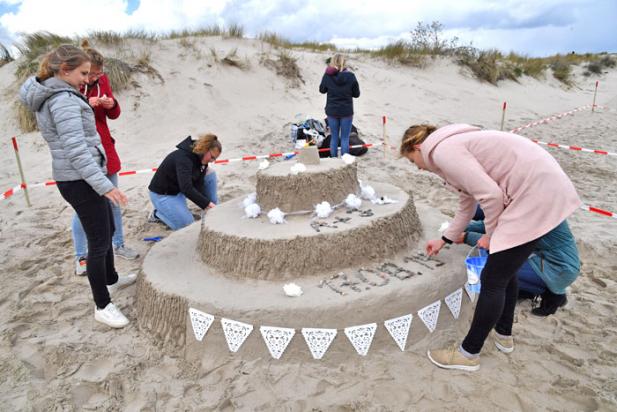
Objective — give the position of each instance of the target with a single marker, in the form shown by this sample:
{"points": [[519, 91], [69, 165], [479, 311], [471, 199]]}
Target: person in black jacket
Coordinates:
{"points": [[183, 174], [341, 87]]}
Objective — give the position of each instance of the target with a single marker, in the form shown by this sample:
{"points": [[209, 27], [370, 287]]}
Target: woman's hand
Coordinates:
{"points": [[117, 197], [106, 102], [484, 242], [460, 239], [93, 101], [434, 246], [210, 205]]}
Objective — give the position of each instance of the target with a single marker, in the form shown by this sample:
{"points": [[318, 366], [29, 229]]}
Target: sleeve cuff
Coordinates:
{"points": [[445, 239]]}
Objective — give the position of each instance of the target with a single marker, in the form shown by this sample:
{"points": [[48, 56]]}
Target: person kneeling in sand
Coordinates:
{"points": [[551, 268], [524, 194], [183, 174]]}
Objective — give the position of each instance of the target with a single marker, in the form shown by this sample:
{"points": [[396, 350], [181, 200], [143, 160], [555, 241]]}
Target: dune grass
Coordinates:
{"points": [[5, 55], [278, 41], [285, 65]]}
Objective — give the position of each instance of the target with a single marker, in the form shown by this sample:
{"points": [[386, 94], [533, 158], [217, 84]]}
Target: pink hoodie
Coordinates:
{"points": [[521, 188]]}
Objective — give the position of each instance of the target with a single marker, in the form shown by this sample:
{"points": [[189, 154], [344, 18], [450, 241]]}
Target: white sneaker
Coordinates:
{"points": [[111, 316], [80, 267], [125, 253], [123, 281]]}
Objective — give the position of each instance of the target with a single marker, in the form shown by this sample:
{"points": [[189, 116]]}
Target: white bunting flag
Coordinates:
{"points": [[361, 337], [277, 339], [429, 315], [453, 300], [399, 329], [235, 333], [470, 293], [201, 322], [318, 340]]}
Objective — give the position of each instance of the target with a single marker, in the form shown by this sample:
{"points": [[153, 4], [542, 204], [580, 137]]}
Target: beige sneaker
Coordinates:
{"points": [[504, 343], [451, 358]]}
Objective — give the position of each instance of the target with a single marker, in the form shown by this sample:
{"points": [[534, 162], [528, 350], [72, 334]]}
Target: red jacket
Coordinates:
{"points": [[100, 88]]}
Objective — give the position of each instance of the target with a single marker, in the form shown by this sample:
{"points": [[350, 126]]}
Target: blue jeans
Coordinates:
{"points": [[529, 281], [79, 236], [339, 128], [173, 209]]}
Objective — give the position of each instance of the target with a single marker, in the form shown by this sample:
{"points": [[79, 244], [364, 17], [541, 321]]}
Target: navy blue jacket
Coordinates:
{"points": [[341, 87], [182, 172]]}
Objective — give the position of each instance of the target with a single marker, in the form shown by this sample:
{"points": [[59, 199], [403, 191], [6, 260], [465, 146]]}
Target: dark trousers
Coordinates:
{"points": [[94, 212], [495, 308]]}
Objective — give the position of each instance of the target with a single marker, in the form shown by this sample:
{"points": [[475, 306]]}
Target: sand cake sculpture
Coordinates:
{"points": [[353, 266]]}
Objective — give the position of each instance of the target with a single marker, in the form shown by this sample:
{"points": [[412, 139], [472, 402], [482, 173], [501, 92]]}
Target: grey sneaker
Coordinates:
{"points": [[125, 252], [152, 218], [80, 266], [123, 281]]}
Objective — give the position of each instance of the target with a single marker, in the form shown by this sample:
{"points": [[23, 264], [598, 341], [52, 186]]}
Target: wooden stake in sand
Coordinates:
{"points": [[21, 171], [503, 115], [386, 146], [595, 92]]}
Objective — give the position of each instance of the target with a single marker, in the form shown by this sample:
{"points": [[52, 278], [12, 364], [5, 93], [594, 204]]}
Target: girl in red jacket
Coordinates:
{"points": [[100, 96]]}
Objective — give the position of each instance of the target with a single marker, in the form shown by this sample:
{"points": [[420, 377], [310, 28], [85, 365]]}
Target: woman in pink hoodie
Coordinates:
{"points": [[524, 194]]}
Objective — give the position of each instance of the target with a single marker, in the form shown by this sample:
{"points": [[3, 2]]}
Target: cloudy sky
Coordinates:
{"points": [[533, 27]]}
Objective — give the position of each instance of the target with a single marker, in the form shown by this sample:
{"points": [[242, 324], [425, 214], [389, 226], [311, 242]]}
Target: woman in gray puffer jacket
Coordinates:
{"points": [[66, 122]]}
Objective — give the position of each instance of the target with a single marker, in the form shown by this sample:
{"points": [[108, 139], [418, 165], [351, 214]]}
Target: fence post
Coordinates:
{"points": [[386, 146], [24, 185], [503, 115], [593, 106]]}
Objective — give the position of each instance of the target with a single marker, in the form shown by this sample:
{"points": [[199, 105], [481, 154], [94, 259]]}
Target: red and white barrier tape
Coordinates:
{"points": [[577, 148], [17, 188], [553, 118], [599, 211]]}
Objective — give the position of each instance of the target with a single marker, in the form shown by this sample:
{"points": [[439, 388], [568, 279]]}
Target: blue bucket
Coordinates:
{"points": [[475, 261]]}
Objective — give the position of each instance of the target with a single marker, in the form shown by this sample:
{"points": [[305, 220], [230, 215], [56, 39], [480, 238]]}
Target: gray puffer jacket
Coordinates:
{"points": [[67, 123]]}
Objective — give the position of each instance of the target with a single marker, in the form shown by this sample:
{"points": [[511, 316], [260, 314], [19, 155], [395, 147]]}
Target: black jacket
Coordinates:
{"points": [[182, 172], [341, 87]]}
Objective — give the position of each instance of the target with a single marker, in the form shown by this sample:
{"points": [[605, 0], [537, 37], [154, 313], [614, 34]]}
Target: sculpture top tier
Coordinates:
{"points": [[331, 181]]}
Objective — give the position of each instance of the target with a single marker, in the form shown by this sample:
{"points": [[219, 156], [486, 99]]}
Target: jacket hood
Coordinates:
{"points": [[342, 77], [438, 136], [33, 93], [186, 145]]}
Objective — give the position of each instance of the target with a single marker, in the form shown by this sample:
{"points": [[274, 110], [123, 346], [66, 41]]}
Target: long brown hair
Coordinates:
{"points": [[414, 135], [64, 57], [206, 142]]}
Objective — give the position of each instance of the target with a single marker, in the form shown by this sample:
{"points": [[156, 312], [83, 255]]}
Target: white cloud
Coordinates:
{"points": [[531, 26]]}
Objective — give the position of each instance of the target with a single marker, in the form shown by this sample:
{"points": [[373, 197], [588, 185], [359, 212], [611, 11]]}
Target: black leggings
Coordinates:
{"points": [[94, 212], [498, 296]]}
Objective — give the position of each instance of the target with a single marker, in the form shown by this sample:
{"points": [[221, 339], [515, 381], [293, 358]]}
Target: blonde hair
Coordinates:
{"points": [[64, 57], [338, 61], [206, 142], [414, 135], [95, 56]]}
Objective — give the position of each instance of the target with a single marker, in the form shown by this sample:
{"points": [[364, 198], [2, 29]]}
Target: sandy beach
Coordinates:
{"points": [[54, 356]]}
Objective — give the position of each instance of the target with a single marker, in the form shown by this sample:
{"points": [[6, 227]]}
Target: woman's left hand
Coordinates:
{"points": [[106, 102], [434, 246], [484, 242]]}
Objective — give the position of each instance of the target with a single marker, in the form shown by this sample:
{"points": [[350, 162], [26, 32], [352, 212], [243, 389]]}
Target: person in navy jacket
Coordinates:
{"points": [[341, 86]]}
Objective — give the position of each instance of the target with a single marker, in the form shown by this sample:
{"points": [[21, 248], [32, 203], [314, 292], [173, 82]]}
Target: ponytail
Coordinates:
{"points": [[65, 57]]}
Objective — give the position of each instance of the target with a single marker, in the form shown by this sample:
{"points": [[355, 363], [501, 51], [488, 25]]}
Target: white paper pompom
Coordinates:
{"points": [[444, 226], [353, 202], [276, 216], [252, 211], [384, 200], [249, 199], [323, 209], [368, 192], [298, 168], [348, 159], [293, 290], [264, 164]]}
